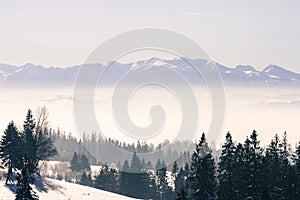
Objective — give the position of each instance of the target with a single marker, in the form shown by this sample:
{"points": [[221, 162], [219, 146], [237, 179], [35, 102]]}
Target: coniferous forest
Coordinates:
{"points": [[244, 170]]}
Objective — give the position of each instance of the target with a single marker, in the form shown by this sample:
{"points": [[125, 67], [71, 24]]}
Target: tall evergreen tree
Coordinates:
{"points": [[175, 169], [180, 181], [86, 179], [272, 169], [163, 189], [136, 178], [241, 173], [297, 171], [202, 178], [9, 153], [226, 174], [74, 164], [125, 179], [36, 146], [30, 147], [107, 179], [254, 180], [84, 163], [286, 170]]}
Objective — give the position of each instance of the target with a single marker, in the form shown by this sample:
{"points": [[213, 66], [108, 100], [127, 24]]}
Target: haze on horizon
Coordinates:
{"points": [[257, 33]]}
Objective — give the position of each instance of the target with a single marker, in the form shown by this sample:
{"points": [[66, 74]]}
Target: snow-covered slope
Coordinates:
{"points": [[60, 190]]}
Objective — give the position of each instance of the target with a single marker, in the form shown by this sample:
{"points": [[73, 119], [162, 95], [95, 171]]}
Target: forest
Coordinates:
{"points": [[243, 170]]}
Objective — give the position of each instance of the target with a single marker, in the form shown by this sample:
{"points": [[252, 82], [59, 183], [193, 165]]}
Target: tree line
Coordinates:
{"points": [[97, 147], [242, 171]]}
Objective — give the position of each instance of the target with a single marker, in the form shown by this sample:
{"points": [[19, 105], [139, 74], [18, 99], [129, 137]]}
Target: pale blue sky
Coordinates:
{"points": [[63, 33]]}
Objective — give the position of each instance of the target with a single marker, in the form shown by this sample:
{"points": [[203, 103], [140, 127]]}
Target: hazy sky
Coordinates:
{"points": [[62, 33]]}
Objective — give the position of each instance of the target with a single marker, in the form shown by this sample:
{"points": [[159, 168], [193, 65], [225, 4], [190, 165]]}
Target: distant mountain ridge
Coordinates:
{"points": [[30, 75]]}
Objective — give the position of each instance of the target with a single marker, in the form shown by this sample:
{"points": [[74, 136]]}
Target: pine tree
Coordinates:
{"points": [[9, 152], [254, 179], [272, 169], [286, 170], [297, 171], [35, 146], [125, 179], [136, 164], [162, 183], [150, 185], [226, 174], [75, 162], [180, 181], [84, 179], [202, 180], [30, 147], [107, 179], [240, 172], [137, 187], [84, 163], [175, 169]]}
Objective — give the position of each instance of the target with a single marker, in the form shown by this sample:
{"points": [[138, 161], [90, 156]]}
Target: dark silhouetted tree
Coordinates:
{"points": [[74, 164], [9, 151], [202, 180], [226, 174]]}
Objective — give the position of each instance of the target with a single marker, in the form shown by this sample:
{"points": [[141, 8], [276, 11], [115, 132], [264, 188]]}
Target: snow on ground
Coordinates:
{"points": [[60, 190]]}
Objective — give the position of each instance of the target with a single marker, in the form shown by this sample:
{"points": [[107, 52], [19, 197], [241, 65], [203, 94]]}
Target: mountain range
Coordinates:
{"points": [[30, 75]]}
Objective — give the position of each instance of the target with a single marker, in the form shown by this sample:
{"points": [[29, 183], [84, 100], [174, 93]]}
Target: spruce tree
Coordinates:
{"points": [[240, 172], [272, 169], [137, 187], [202, 180], [162, 183], [107, 179], [9, 153], [286, 170], [180, 181], [297, 171], [30, 146], [150, 185], [84, 163], [125, 179], [74, 164], [226, 174], [175, 169], [254, 177], [35, 146], [85, 179]]}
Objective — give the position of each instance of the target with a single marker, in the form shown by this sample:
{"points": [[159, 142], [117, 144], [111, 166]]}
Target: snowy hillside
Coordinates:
{"points": [[60, 190]]}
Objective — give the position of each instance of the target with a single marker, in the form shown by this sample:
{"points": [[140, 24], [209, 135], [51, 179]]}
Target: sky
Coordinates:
{"points": [[64, 33]]}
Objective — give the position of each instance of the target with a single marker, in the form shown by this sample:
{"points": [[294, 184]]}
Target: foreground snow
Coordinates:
{"points": [[60, 190]]}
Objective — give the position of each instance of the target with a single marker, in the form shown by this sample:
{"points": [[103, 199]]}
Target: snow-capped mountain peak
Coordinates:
{"points": [[245, 68], [37, 75]]}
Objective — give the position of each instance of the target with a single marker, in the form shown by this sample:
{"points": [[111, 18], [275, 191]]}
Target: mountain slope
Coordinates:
{"points": [[31, 75]]}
